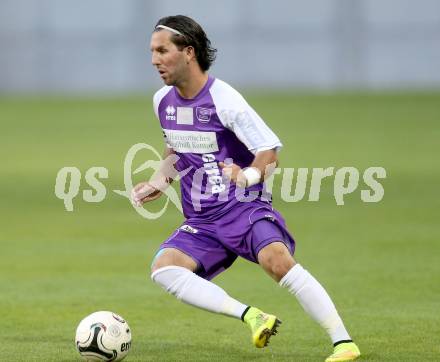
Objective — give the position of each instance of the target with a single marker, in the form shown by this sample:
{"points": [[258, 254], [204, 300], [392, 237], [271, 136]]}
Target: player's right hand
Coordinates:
{"points": [[144, 192]]}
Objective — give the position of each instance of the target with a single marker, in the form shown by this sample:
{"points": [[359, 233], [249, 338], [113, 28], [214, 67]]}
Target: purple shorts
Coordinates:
{"points": [[243, 231]]}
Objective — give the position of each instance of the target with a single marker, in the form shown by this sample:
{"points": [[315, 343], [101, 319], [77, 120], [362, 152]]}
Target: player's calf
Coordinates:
{"points": [[196, 291]]}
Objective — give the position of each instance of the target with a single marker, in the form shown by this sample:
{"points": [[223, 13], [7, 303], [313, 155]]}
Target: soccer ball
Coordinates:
{"points": [[103, 336]]}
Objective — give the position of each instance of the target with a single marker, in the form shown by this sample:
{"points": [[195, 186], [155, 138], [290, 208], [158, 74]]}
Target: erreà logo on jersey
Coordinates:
{"points": [[170, 111]]}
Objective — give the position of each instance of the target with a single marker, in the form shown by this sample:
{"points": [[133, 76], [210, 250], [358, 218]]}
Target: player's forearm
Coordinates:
{"points": [[265, 162], [166, 173]]}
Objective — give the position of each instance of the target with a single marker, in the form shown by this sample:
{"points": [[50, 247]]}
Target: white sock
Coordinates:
{"points": [[192, 289], [315, 301]]}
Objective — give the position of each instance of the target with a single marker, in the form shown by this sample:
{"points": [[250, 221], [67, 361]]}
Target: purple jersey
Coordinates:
{"points": [[216, 125]]}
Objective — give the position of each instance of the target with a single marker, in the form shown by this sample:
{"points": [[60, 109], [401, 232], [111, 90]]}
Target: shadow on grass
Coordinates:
{"points": [[167, 351]]}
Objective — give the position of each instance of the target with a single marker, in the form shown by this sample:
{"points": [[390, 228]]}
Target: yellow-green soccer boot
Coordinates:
{"points": [[262, 325], [344, 352]]}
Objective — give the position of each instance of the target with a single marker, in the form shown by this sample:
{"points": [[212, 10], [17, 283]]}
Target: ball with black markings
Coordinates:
{"points": [[103, 336]]}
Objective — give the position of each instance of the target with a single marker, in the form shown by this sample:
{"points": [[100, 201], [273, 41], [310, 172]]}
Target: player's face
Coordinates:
{"points": [[170, 62]]}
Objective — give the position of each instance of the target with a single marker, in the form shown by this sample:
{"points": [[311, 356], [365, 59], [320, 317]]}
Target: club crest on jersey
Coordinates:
{"points": [[203, 114], [170, 111]]}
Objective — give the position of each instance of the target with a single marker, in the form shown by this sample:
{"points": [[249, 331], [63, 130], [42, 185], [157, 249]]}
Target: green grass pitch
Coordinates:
{"points": [[380, 262]]}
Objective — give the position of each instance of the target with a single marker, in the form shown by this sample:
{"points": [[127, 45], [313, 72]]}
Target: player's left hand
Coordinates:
{"points": [[144, 192], [234, 173]]}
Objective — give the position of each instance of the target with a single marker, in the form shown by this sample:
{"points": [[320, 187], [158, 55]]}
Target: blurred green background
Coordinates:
{"points": [[379, 261]]}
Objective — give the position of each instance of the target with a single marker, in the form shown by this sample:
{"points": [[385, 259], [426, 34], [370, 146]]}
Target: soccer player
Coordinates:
{"points": [[222, 150]]}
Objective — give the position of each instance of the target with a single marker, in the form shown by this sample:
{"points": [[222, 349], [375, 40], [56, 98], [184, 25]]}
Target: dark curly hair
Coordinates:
{"points": [[193, 35]]}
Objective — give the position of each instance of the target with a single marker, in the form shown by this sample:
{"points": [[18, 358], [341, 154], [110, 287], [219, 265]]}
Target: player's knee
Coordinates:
{"points": [[159, 261], [173, 279], [171, 257], [280, 268], [276, 260], [158, 264], [278, 265]]}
